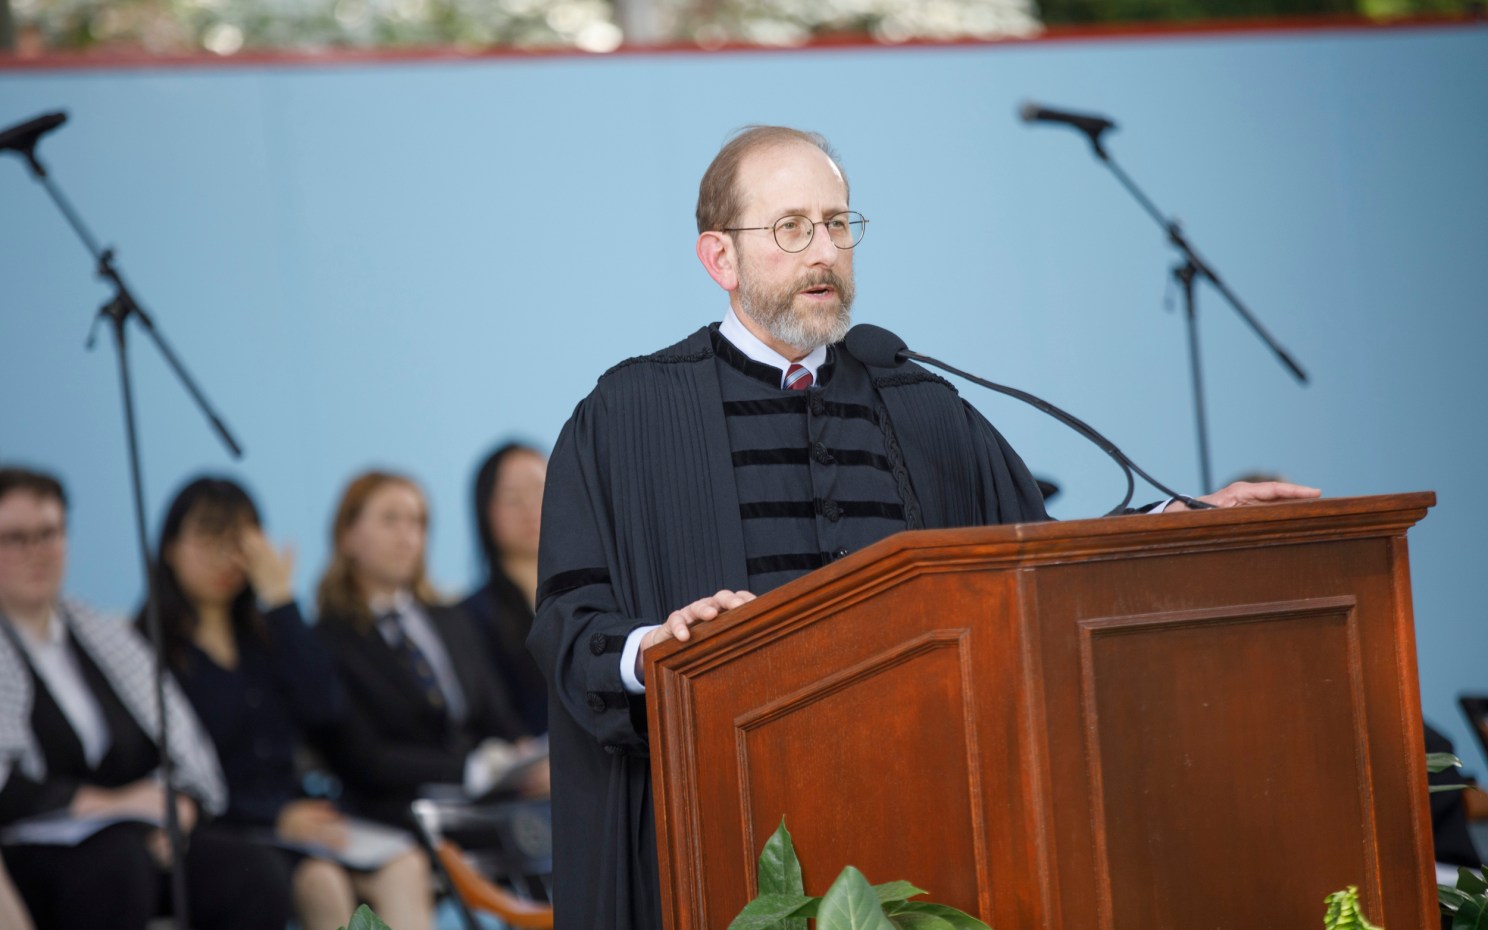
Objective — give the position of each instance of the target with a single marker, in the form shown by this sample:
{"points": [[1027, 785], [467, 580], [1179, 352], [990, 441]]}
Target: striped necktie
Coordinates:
{"points": [[797, 378], [413, 658]]}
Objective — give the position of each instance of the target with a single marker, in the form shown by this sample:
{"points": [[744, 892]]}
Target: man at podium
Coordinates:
{"points": [[748, 454]]}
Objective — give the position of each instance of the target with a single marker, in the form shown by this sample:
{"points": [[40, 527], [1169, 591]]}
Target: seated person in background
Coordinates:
{"points": [[508, 518], [424, 709], [261, 681], [1450, 838], [78, 724]]}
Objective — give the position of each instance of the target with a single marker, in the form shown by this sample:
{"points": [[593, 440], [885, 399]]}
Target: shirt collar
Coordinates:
{"points": [[400, 603], [754, 348], [56, 635]]}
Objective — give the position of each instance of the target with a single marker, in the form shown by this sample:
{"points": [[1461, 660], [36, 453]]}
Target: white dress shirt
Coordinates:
{"points": [[59, 670]]}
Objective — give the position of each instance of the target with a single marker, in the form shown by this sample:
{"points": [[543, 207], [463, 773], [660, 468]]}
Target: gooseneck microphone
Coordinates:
{"points": [[876, 346], [1088, 123], [22, 137]]}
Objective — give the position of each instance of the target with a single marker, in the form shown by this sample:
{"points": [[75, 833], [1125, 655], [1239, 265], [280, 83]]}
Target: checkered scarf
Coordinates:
{"points": [[128, 663]]}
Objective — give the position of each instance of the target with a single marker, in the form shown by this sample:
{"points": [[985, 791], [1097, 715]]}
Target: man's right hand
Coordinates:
{"points": [[676, 625]]}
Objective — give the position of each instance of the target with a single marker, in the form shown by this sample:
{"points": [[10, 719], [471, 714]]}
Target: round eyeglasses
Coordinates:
{"points": [[794, 233]]}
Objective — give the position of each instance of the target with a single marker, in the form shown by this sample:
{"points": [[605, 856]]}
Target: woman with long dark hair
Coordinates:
{"points": [[508, 517], [262, 684]]}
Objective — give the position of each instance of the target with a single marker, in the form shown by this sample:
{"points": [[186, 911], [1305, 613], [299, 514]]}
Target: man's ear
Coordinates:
{"points": [[719, 256]]}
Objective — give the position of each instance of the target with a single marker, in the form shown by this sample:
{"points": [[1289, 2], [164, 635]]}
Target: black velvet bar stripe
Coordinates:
{"points": [[851, 412], [795, 403], [789, 403], [563, 582], [803, 457], [804, 510], [771, 457], [867, 509], [795, 562], [800, 510], [858, 457]]}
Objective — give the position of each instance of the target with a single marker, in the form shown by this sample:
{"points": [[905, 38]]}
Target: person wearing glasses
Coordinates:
{"points": [[81, 794], [748, 454]]}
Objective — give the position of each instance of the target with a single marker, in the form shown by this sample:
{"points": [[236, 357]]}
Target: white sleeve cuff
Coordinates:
{"points": [[628, 659]]}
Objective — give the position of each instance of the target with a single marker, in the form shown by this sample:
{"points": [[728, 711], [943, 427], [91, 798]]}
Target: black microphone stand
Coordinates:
{"points": [[1185, 273], [119, 311]]}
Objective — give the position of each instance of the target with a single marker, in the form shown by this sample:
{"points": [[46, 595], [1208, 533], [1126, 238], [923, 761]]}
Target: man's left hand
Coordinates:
{"points": [[1242, 493]]}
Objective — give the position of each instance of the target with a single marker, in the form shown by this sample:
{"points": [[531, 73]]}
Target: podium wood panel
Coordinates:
{"points": [[1204, 719]]}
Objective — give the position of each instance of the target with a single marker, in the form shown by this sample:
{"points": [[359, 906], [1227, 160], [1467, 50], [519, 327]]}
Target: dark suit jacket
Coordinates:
{"points": [[394, 740], [500, 614]]}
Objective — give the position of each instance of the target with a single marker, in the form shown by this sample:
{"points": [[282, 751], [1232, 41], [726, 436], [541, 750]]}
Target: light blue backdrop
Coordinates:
{"points": [[400, 264]]}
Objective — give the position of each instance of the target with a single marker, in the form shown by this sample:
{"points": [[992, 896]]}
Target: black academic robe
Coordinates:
{"points": [[641, 517]]}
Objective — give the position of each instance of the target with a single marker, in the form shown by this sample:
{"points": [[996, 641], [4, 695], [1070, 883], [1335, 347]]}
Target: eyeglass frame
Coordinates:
{"points": [[809, 236], [24, 541]]}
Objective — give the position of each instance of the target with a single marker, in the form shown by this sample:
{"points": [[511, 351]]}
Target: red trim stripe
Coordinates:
{"points": [[1124, 32]]}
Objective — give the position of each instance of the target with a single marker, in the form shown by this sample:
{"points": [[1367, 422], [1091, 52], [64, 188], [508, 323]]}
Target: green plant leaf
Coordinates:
{"points": [[1471, 882], [1438, 789], [771, 911], [1441, 761], [850, 904], [1471, 916], [1450, 898], [916, 921], [1344, 913], [779, 869], [891, 892], [959, 920], [363, 918]]}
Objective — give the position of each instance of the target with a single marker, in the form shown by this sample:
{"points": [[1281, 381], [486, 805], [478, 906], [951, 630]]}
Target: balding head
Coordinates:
{"points": [[719, 198]]}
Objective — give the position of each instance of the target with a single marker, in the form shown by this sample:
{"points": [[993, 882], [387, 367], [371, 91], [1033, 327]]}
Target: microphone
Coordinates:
{"points": [[22, 137], [876, 346], [1088, 123]]}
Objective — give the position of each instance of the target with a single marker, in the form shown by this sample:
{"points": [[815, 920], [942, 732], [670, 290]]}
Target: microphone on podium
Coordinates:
{"points": [[876, 346]]}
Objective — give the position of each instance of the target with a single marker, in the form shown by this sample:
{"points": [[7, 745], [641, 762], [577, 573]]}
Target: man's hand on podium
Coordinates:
{"points": [[1241, 493], [676, 625]]}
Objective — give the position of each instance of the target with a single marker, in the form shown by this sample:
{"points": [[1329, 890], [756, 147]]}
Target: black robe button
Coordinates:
{"points": [[818, 404], [598, 643], [832, 511], [596, 702], [820, 454]]}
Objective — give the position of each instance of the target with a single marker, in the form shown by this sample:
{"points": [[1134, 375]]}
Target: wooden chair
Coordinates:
{"points": [[522, 854]]}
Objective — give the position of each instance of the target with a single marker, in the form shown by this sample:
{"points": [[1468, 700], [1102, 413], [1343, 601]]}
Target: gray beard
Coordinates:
{"points": [[776, 312]]}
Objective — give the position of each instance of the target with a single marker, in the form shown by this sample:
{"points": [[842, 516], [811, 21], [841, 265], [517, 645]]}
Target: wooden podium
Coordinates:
{"points": [[1190, 720]]}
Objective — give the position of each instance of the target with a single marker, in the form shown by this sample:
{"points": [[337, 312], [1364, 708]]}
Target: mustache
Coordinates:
{"points": [[819, 279]]}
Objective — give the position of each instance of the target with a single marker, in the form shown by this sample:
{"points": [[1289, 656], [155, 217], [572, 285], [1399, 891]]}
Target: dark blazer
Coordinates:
{"points": [[500, 613], [394, 740]]}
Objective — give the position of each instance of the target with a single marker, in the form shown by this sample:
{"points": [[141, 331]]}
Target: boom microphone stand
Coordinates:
{"points": [[123, 307], [1191, 267]]}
